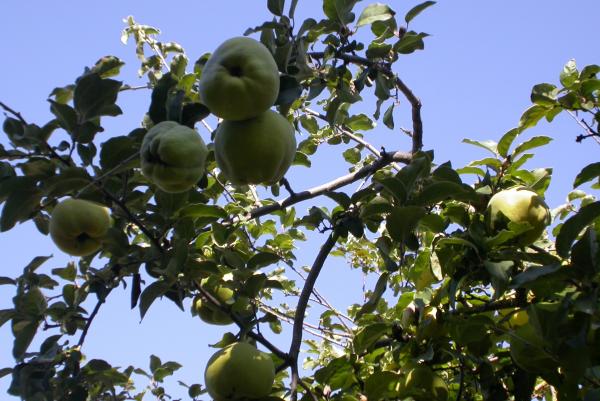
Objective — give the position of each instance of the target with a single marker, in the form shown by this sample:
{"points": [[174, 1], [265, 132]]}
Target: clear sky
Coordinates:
{"points": [[474, 79]]}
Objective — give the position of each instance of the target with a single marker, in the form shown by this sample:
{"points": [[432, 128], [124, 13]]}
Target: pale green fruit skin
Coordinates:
{"points": [[240, 79], [423, 384], [239, 371], [520, 205], [210, 313], [255, 151], [173, 156], [78, 226]]}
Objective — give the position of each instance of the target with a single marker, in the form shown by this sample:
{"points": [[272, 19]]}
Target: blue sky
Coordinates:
{"points": [[474, 79]]}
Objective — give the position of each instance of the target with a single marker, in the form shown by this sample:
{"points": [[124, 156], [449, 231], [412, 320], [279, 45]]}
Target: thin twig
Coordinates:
{"points": [[417, 132], [13, 112], [352, 136], [256, 336], [586, 128], [90, 319]]}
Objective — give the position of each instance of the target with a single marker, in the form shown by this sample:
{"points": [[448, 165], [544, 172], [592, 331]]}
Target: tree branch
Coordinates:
{"points": [[352, 136], [236, 319], [386, 159], [90, 319], [303, 302], [384, 68]]}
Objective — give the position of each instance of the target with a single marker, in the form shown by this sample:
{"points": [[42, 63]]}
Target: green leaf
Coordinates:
{"points": [[262, 259], [544, 94], [35, 263], [588, 173], [95, 97], [194, 391], [155, 363], [388, 117], [65, 115], [289, 91], [507, 140], [339, 10], [416, 10], [371, 305], [532, 115], [192, 113], [352, 155], [360, 122], [438, 191], [532, 143], [158, 104], [499, 271], [197, 210], [338, 374], [375, 12], [66, 273], [571, 228], [24, 332], [116, 150], [7, 280], [149, 295], [403, 221], [6, 315], [532, 274], [108, 66], [487, 145], [19, 206], [410, 42], [569, 74], [368, 335], [420, 272], [276, 6], [382, 385]]}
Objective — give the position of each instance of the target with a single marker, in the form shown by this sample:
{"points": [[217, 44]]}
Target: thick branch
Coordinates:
{"points": [[303, 301], [386, 159]]}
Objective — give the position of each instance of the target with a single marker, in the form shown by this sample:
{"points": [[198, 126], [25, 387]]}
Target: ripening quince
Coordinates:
{"points": [[239, 371], [422, 384], [519, 205], [240, 80], [78, 226], [255, 151], [516, 319], [173, 156], [211, 314]]}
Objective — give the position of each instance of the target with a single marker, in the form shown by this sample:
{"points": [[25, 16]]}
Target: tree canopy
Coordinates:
{"points": [[465, 302]]}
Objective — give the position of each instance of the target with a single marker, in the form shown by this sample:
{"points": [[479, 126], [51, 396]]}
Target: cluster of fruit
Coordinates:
{"points": [[253, 145], [240, 83]]}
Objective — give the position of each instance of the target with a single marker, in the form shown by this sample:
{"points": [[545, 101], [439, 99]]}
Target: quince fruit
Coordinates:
{"points": [[240, 80], [78, 226], [255, 151], [519, 205], [239, 371], [173, 156]]}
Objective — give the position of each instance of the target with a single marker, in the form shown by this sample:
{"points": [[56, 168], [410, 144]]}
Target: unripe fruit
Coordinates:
{"points": [[78, 226], [239, 371], [173, 156], [255, 151], [240, 80], [519, 205]]}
